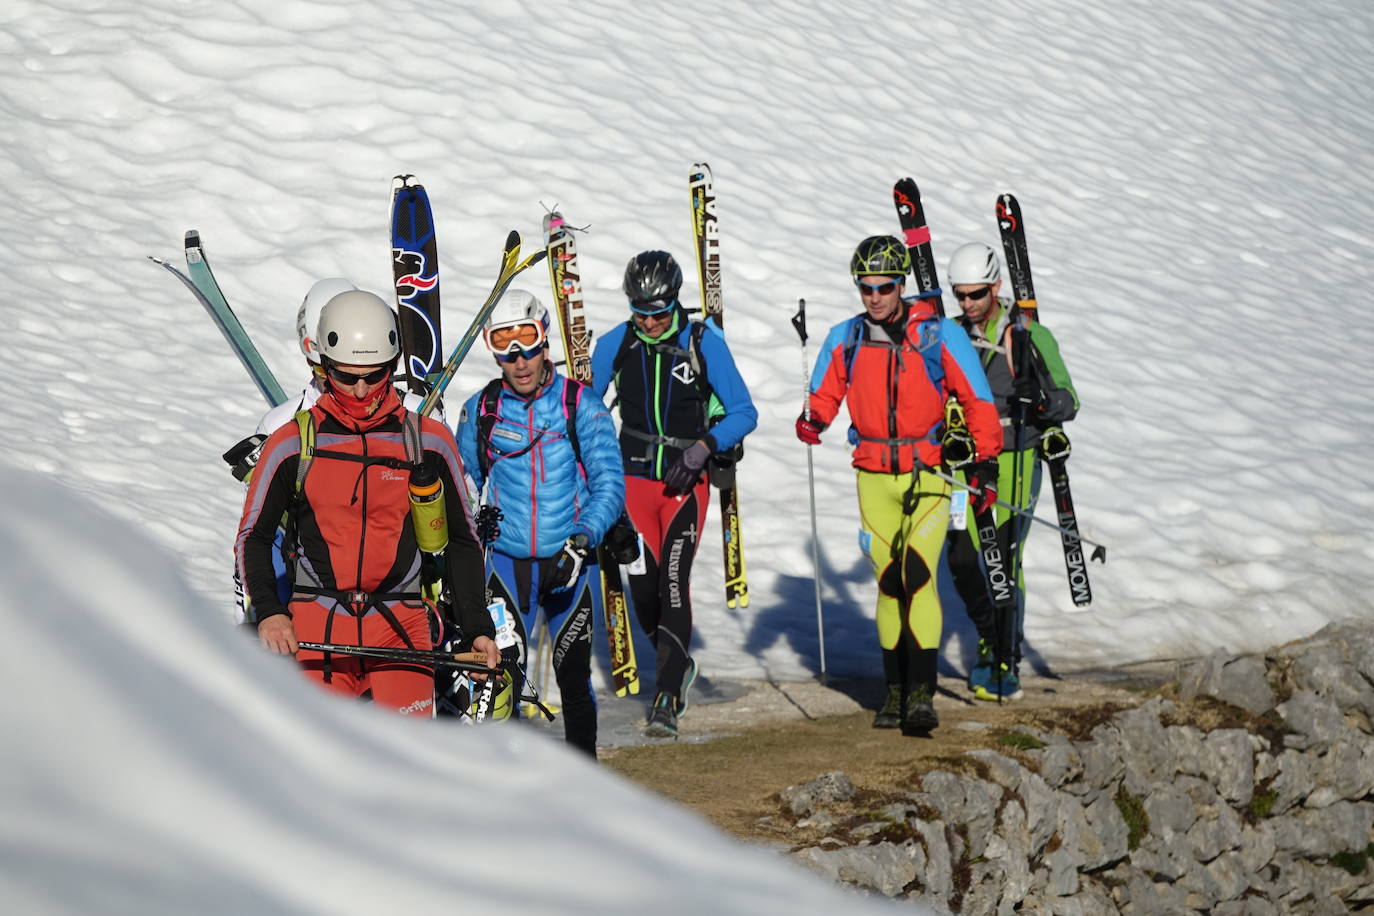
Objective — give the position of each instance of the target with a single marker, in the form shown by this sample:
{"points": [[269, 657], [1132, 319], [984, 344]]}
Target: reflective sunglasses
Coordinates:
{"points": [[877, 289], [351, 378], [518, 352], [975, 295], [527, 335], [651, 307]]}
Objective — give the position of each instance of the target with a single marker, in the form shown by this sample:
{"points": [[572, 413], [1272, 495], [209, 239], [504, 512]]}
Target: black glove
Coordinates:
{"points": [[686, 471], [983, 478], [244, 455], [622, 541], [489, 524], [567, 565], [957, 448]]}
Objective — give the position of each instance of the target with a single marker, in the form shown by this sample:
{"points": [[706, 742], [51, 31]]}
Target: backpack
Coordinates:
{"points": [[928, 337]]}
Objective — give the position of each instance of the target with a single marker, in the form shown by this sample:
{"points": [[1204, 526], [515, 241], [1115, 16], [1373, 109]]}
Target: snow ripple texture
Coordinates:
{"points": [[1196, 180]]}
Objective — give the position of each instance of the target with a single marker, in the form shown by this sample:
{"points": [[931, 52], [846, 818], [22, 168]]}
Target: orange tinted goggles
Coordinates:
{"points": [[526, 336]]}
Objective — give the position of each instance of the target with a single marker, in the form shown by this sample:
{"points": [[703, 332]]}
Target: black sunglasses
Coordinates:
{"points": [[975, 295], [350, 378]]}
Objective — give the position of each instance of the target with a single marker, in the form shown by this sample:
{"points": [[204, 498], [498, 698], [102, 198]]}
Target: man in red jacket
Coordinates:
{"points": [[350, 539], [897, 364]]}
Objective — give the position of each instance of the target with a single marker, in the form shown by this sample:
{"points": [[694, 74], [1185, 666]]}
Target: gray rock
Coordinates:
{"points": [[819, 820], [962, 800], [1110, 830], [1322, 832], [886, 868], [984, 890], [1229, 874], [1091, 900], [1133, 891], [1058, 763], [1238, 681], [1162, 858], [1257, 846], [1063, 865], [937, 877], [1041, 802], [1144, 746], [1101, 756], [1247, 906], [1211, 836], [1230, 765], [1203, 891], [1186, 748], [1330, 672], [1009, 849], [803, 799], [1344, 772], [1171, 812], [1296, 779], [1315, 721], [1266, 766]]}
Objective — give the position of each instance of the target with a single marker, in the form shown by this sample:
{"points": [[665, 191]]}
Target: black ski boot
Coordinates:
{"points": [[890, 716], [920, 717]]}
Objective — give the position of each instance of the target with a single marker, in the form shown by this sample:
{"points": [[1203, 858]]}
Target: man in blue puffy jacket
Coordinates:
{"points": [[542, 449], [682, 400]]}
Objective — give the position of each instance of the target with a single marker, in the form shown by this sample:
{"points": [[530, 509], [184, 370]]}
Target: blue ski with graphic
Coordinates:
{"points": [[415, 269]]}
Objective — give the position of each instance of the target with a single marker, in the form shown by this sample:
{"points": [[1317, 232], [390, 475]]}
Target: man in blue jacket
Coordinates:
{"points": [[542, 449], [682, 400]]}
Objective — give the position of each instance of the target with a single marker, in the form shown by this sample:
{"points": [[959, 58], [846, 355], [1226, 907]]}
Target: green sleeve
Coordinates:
{"points": [[1051, 363]]}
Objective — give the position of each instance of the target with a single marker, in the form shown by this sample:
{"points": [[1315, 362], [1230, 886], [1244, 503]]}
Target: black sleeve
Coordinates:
{"points": [[464, 563], [260, 576]]}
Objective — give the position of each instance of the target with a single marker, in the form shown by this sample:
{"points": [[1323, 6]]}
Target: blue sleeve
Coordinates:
{"points": [[603, 465], [961, 348], [466, 434], [603, 359], [728, 386], [833, 341]]}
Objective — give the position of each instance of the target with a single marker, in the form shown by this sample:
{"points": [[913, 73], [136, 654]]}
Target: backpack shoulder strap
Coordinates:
{"points": [[572, 396], [486, 422], [411, 438], [305, 422]]}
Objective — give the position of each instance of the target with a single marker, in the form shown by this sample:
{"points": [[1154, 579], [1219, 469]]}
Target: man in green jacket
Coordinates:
{"points": [[1031, 398]]}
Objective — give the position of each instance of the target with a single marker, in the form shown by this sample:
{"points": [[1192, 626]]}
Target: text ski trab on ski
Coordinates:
{"points": [[1054, 444], [706, 235], [415, 275], [201, 282], [565, 277]]}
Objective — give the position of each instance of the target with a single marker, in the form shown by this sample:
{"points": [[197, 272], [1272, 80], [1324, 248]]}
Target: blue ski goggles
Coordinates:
{"points": [[517, 352], [652, 306]]}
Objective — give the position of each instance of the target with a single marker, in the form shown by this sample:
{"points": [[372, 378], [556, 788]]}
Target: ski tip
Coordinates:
{"points": [[513, 239], [192, 238]]}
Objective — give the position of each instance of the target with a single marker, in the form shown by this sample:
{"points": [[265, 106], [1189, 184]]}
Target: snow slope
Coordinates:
{"points": [[152, 764], [1196, 180]]}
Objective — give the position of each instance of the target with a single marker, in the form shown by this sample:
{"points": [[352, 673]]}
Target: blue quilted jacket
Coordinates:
{"points": [[545, 496]]}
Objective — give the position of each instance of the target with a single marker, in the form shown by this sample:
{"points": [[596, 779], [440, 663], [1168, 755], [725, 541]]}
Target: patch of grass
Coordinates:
{"points": [[1353, 862], [1134, 814], [1209, 714], [1261, 805], [1078, 722], [1021, 741]]}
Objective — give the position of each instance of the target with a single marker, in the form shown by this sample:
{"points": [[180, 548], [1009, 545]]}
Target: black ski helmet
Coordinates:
{"points": [[880, 256], [651, 276]]}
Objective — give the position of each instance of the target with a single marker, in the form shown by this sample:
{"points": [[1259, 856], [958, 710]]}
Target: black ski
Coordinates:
{"points": [[906, 196], [415, 272], [1054, 443]]}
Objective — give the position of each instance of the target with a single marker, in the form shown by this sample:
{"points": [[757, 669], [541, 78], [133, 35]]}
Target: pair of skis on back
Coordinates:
{"points": [[566, 281], [1054, 447]]}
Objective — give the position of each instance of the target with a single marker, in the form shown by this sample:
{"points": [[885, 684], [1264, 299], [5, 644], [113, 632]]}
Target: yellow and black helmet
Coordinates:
{"points": [[880, 255]]}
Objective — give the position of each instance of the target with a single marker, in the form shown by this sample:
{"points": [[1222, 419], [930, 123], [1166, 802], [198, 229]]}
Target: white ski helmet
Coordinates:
{"points": [[517, 306], [308, 315], [974, 263], [358, 328]]}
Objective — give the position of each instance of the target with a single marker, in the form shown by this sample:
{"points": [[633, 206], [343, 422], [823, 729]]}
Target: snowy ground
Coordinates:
{"points": [[153, 765], [1196, 180]]}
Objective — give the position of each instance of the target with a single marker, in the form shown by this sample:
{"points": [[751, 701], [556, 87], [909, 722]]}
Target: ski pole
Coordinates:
{"points": [[799, 323], [1100, 554], [463, 661]]}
